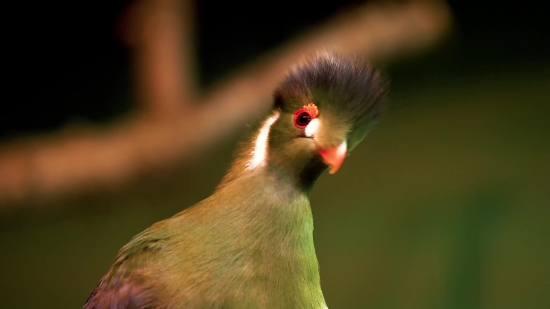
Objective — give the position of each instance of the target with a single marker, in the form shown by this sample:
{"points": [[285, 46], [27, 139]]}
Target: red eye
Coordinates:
{"points": [[304, 115]]}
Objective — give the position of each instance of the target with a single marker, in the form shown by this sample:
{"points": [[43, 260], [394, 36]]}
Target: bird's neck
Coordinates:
{"points": [[270, 191], [270, 226], [271, 208]]}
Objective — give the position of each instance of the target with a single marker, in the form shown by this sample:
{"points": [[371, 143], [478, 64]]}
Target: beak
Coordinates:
{"points": [[334, 157]]}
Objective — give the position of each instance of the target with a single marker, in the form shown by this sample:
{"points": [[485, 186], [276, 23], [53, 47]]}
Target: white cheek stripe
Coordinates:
{"points": [[259, 153], [313, 127]]}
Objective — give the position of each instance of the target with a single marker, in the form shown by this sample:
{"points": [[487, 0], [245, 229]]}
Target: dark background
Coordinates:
{"points": [[66, 62], [445, 205]]}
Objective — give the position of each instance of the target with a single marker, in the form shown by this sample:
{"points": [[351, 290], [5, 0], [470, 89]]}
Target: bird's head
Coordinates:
{"points": [[322, 109]]}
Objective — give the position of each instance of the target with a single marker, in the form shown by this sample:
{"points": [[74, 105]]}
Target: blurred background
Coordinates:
{"points": [[117, 114]]}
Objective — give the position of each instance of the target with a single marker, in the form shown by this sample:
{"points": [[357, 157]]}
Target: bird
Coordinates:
{"points": [[249, 245]]}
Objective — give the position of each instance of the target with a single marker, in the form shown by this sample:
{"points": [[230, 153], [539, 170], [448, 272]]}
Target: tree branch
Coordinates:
{"points": [[75, 159]]}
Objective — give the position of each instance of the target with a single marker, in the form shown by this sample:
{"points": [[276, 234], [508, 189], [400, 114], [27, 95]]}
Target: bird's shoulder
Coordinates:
{"points": [[128, 284]]}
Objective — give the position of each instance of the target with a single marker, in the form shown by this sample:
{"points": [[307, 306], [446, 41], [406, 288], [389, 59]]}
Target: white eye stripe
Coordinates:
{"points": [[313, 127]]}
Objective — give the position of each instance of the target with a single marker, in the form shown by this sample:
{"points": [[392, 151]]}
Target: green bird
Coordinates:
{"points": [[250, 244]]}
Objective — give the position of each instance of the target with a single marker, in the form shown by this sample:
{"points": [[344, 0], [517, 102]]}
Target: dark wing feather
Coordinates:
{"points": [[122, 293], [129, 284]]}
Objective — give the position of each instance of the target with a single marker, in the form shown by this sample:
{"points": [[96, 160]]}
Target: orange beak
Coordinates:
{"points": [[334, 157]]}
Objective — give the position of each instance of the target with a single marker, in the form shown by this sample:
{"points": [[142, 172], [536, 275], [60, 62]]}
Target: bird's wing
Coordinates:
{"points": [[128, 284]]}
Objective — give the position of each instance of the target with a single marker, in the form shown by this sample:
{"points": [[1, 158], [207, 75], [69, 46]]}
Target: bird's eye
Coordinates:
{"points": [[302, 119], [304, 115]]}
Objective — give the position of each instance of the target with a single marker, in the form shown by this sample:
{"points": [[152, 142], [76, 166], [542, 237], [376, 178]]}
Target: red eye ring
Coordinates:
{"points": [[302, 119], [304, 115]]}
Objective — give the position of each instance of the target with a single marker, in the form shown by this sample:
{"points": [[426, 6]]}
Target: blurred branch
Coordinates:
{"points": [[161, 34], [71, 160]]}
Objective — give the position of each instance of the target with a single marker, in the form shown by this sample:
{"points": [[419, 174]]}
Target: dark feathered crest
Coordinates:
{"points": [[345, 85]]}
